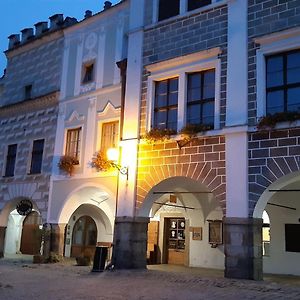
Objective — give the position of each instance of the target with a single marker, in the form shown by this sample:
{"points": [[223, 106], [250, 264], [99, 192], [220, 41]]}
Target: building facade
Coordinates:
{"points": [[205, 114]]}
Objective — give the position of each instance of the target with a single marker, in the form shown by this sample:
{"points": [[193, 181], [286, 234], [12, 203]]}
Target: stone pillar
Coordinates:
{"points": [[57, 238], [243, 248], [130, 243], [46, 240], [2, 240]]}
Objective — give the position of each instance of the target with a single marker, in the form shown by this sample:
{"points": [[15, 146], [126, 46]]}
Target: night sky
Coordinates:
{"points": [[16, 15]]}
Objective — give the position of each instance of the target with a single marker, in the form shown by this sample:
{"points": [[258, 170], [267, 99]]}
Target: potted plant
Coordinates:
{"points": [[100, 162], [158, 135], [270, 121], [67, 164]]}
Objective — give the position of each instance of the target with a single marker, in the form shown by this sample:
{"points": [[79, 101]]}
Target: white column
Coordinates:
{"points": [[127, 188], [237, 64], [78, 66], [100, 59], [236, 149], [183, 6], [119, 47], [155, 4], [90, 135], [181, 100], [64, 76]]}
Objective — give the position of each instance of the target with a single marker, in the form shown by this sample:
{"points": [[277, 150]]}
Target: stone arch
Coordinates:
{"points": [[205, 173], [277, 173]]}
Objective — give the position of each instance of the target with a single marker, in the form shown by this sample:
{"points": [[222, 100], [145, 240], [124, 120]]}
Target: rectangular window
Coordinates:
{"points": [[194, 4], [37, 157], [168, 9], [201, 98], [292, 233], [88, 73], [283, 82], [110, 136], [11, 160], [166, 104], [28, 92], [73, 142]]}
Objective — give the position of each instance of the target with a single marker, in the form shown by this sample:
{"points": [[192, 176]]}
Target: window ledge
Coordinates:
{"points": [[187, 14], [278, 126]]}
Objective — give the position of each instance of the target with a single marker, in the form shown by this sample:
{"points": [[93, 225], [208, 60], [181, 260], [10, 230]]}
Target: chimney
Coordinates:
{"points": [[107, 5], [40, 28], [88, 14], [13, 40], [56, 21], [27, 33]]}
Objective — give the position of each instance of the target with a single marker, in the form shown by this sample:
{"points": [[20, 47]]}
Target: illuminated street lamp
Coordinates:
{"points": [[113, 157]]}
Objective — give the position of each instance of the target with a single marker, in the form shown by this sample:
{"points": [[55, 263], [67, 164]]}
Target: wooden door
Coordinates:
{"points": [[175, 240], [84, 237], [31, 235], [152, 245]]}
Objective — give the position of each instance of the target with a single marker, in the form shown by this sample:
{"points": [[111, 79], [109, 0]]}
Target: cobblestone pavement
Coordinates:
{"points": [[21, 280]]}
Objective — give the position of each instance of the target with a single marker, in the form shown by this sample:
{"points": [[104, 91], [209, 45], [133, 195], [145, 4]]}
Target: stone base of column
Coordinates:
{"points": [[57, 238], [243, 248], [2, 240], [130, 243]]}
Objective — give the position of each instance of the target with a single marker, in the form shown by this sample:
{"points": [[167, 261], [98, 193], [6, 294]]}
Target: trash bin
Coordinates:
{"points": [[100, 259]]}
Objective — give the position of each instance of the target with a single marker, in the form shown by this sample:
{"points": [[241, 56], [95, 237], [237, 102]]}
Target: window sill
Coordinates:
{"points": [[278, 126], [187, 14]]}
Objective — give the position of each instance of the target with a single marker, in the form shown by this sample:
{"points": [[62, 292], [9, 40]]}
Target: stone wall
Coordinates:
{"points": [[265, 17], [202, 160], [21, 124], [272, 154]]}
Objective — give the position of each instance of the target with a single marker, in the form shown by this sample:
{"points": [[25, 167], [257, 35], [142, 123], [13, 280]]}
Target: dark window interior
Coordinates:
{"points": [[28, 92], [11, 160], [37, 157], [292, 234], [168, 9], [88, 73], [283, 82], [194, 4]]}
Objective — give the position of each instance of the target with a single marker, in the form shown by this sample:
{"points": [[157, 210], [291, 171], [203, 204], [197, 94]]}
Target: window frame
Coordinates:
{"points": [[180, 70], [112, 121], [85, 66], [79, 143], [35, 153], [5, 174], [271, 44]]}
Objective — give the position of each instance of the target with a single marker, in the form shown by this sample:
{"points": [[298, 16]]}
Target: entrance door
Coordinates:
{"points": [[175, 240], [84, 237], [31, 235]]}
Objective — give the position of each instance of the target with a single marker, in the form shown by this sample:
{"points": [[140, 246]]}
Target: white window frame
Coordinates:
{"points": [[197, 62], [275, 43], [80, 143], [183, 8]]}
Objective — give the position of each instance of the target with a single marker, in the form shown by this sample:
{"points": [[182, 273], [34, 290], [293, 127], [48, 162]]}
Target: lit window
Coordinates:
{"points": [[88, 73], [11, 160], [110, 136], [194, 4], [168, 9], [37, 157], [283, 82], [166, 104], [73, 142], [201, 98]]}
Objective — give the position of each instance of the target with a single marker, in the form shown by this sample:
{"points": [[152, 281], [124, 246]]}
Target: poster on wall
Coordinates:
{"points": [[215, 232], [197, 233]]}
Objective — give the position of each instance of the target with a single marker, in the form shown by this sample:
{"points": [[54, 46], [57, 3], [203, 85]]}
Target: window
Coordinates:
{"points": [[11, 160], [37, 157], [194, 4], [28, 92], [283, 82], [166, 103], [292, 233], [168, 9], [201, 98], [88, 73], [110, 136], [73, 142]]}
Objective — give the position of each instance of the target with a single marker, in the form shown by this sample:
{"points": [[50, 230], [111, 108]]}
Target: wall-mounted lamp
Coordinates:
{"points": [[113, 156]]}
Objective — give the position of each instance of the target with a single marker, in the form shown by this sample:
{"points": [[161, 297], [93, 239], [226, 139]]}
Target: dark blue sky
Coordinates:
{"points": [[18, 14]]}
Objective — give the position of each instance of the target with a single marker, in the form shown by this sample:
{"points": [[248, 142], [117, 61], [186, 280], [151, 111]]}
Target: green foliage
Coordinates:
{"points": [[158, 135], [67, 163], [270, 121]]}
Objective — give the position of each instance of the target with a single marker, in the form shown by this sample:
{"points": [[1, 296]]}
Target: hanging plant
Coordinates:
{"points": [[100, 162], [67, 164], [158, 135], [270, 121], [190, 131]]}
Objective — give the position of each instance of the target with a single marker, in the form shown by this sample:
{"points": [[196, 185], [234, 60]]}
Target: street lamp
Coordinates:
{"points": [[113, 156]]}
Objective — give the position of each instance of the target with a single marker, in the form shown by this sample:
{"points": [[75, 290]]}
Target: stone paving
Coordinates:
{"points": [[64, 281]]}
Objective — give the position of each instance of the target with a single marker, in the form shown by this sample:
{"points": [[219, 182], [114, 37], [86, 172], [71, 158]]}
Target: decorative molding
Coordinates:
{"points": [[75, 116], [109, 108], [18, 190], [87, 87]]}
